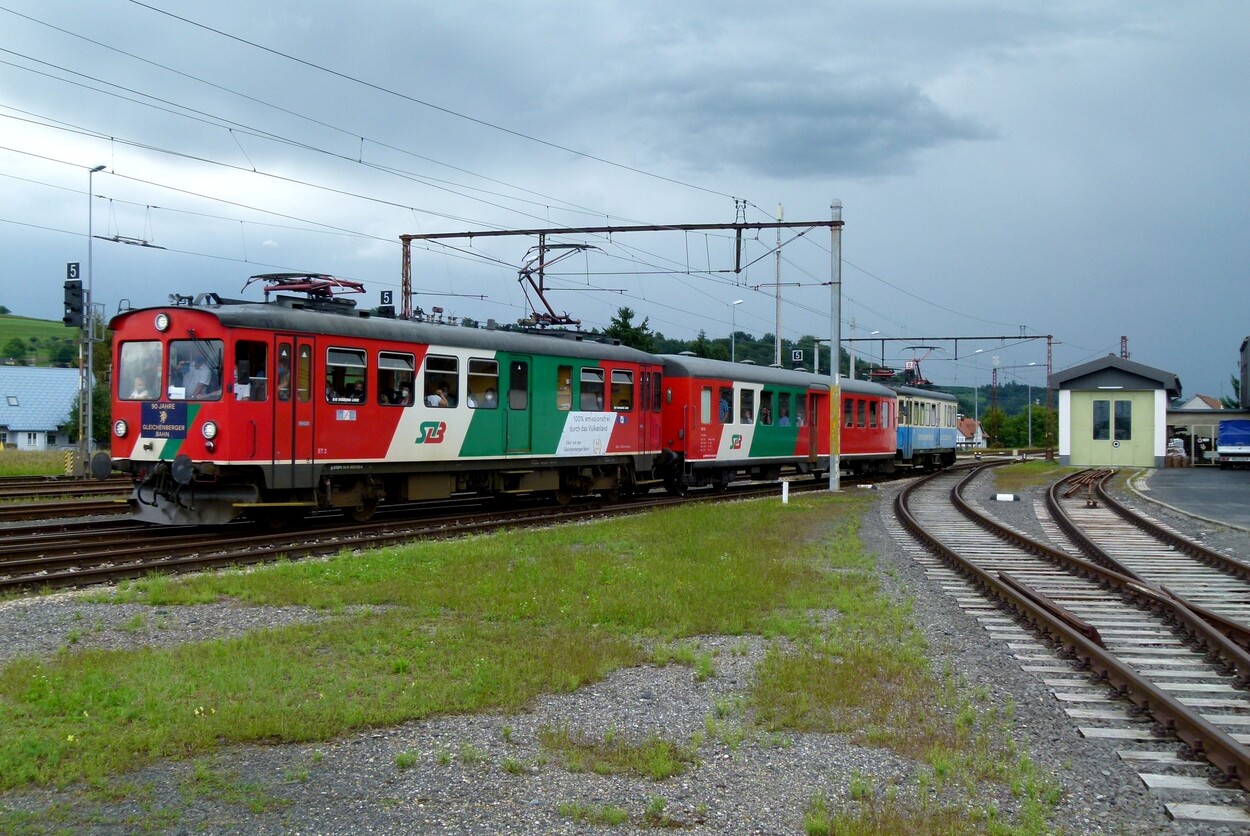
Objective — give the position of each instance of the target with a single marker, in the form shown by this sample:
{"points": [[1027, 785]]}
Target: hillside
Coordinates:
{"points": [[42, 342]]}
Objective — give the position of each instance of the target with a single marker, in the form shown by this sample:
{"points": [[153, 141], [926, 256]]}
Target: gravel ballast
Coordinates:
{"points": [[487, 773]]}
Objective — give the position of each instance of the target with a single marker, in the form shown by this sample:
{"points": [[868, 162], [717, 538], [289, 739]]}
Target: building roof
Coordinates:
{"points": [[36, 399], [1116, 372], [967, 427], [1202, 402]]}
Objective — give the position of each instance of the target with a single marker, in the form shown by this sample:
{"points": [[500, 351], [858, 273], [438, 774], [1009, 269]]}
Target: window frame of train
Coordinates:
{"points": [[401, 367], [345, 367], [441, 368], [140, 358], [210, 351], [623, 395], [746, 405], [591, 383], [483, 375], [251, 359]]}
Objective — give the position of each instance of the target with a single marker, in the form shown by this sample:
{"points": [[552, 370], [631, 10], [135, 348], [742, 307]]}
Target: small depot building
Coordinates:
{"points": [[1113, 413]]}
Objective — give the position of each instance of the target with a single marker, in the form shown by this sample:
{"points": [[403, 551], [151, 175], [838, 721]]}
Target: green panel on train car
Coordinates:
{"points": [[774, 439]]}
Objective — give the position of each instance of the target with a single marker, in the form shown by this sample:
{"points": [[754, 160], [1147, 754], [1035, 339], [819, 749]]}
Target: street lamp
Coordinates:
{"points": [[88, 381], [733, 333]]}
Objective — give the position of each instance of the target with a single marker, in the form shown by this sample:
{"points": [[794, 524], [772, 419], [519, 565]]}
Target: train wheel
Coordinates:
{"points": [[675, 487], [363, 512], [563, 498], [278, 519]]}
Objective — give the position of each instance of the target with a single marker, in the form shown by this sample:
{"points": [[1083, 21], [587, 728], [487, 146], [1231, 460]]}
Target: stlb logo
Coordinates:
{"points": [[735, 442], [431, 432]]}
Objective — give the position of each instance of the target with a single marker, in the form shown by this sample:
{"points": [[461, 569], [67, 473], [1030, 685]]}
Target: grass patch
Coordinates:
{"points": [[32, 463], [653, 758], [1012, 478], [433, 628]]}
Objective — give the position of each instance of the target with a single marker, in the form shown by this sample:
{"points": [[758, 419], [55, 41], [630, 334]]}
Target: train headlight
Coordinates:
{"points": [[119, 428], [208, 430], [162, 322]]}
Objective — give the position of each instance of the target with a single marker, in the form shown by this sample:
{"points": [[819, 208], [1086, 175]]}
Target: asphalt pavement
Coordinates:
{"points": [[1207, 492]]}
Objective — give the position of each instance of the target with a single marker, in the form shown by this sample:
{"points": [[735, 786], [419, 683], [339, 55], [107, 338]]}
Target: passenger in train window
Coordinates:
{"points": [[766, 415], [141, 391], [243, 387], [783, 420]]}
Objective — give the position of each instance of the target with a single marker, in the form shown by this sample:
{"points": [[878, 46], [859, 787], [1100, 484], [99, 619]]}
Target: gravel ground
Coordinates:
{"points": [[487, 773]]}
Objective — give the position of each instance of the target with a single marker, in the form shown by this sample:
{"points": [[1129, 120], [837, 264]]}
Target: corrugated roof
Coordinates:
{"points": [[35, 399]]}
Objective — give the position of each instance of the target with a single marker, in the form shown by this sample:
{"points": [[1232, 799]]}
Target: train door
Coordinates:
{"points": [[517, 406], [293, 412], [813, 425], [649, 409]]}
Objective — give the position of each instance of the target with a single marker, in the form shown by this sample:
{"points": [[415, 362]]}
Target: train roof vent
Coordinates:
{"points": [[747, 362], [688, 354]]}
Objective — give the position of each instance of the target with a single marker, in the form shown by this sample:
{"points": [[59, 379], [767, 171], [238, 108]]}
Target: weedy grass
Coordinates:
{"points": [[481, 623], [653, 758], [32, 463], [1011, 478]]}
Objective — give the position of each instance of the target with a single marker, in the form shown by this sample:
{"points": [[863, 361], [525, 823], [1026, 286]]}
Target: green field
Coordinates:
{"points": [[45, 342]]}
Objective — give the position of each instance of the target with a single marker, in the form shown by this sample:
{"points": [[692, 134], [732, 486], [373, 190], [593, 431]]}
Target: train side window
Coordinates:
{"points": [[345, 375], [139, 370], [705, 405], [848, 412], [800, 410], [442, 380], [725, 411], [590, 394], [766, 407], [483, 383], [195, 369], [746, 405], [518, 385], [251, 375], [622, 390], [783, 409], [861, 419], [395, 378], [872, 414], [886, 410], [564, 388], [904, 413], [657, 391]]}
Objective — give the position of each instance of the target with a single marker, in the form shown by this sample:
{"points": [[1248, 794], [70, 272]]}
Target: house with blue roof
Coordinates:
{"points": [[35, 405]]}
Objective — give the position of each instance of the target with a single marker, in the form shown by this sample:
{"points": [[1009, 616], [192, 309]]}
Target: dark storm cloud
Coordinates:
{"points": [[788, 129]]}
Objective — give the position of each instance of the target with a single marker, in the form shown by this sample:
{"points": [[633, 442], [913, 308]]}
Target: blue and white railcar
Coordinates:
{"points": [[926, 427]]}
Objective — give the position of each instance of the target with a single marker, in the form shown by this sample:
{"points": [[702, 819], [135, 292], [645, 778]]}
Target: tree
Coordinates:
{"points": [[15, 349], [1235, 401], [101, 415], [635, 336], [993, 421]]}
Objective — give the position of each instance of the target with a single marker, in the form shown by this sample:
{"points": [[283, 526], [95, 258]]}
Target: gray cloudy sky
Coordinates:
{"points": [[1004, 168]]}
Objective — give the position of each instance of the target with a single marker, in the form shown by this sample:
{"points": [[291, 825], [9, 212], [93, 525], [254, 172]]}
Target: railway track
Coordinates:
{"points": [[1129, 657]]}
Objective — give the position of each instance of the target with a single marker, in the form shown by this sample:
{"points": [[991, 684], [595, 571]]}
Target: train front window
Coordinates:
{"points": [[195, 370], [139, 371]]}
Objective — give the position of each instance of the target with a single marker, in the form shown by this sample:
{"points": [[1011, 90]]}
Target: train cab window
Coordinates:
{"points": [[766, 407], [590, 394], [483, 383], [345, 375], [783, 409], [746, 405], [195, 370], [442, 381], [139, 370], [251, 364], [848, 412], [725, 411], [395, 378], [564, 388], [622, 390]]}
